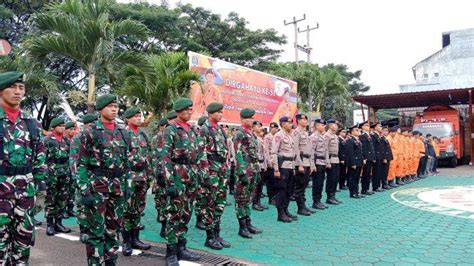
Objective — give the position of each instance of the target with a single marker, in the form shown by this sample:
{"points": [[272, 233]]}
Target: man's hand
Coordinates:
{"points": [[328, 165], [342, 162], [354, 167], [365, 161], [276, 174], [313, 169], [301, 169], [384, 160]]}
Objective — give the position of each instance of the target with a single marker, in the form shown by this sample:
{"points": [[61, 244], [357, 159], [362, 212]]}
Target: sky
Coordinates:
{"points": [[384, 39]]}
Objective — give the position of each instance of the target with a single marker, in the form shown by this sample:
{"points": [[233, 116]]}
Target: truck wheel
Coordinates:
{"points": [[454, 162]]}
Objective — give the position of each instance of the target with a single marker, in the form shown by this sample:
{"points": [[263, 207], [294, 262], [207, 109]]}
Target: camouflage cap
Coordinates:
{"points": [[9, 78], [70, 124], [89, 118], [214, 107], [202, 120], [182, 103], [56, 122], [171, 115], [105, 100], [247, 113], [131, 112]]}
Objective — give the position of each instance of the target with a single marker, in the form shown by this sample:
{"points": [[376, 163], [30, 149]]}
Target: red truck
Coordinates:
{"points": [[445, 123]]}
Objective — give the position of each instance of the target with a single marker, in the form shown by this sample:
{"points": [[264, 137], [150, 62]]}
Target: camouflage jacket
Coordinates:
{"points": [[246, 145], [57, 155], [105, 150], [74, 155], [139, 155], [157, 144], [215, 147], [17, 150]]}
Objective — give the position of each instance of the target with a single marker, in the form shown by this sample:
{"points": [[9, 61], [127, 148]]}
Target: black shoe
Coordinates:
{"points": [[163, 229], [140, 227], [293, 217], [199, 223], [379, 190], [38, 223], [50, 231], [393, 185], [303, 211], [318, 206], [282, 217], [312, 211], [355, 196], [126, 247], [171, 255], [338, 201], [211, 241], [243, 231], [184, 253], [251, 228], [332, 201], [361, 195], [112, 262], [59, 227], [136, 243], [70, 210], [257, 207], [217, 232], [367, 193], [344, 188]]}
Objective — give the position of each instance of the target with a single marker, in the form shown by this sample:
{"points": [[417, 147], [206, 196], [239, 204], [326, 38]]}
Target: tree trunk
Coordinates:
{"points": [[91, 93]]}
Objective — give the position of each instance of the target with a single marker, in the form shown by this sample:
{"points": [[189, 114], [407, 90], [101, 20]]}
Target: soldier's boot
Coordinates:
{"points": [[302, 209], [50, 226], [126, 246], [292, 216], [136, 243], [163, 229], [111, 262], [243, 231], [217, 231], [257, 207], [211, 241], [184, 253], [312, 211], [282, 216], [59, 227], [70, 210], [318, 205], [199, 223], [332, 201], [339, 201], [252, 229], [171, 255]]}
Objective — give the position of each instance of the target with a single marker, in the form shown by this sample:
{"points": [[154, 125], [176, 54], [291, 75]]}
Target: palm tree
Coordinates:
{"points": [[81, 30]]}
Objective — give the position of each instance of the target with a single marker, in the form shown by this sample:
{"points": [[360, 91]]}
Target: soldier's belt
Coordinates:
{"points": [[285, 158], [183, 161], [110, 173], [15, 170], [216, 157], [307, 156], [59, 161], [320, 157]]}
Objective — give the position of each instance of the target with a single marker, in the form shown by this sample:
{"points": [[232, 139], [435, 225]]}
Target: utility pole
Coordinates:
{"points": [[308, 47], [295, 22]]}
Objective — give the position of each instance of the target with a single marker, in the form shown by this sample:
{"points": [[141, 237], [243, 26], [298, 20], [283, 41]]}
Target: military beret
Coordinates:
{"points": [[320, 121], [300, 116], [247, 113], [330, 121], [171, 115], [274, 125], [202, 120], [256, 122], [89, 118], [104, 100], [182, 103], [131, 112], [56, 122], [163, 122], [70, 124], [214, 107], [9, 78], [284, 119]]}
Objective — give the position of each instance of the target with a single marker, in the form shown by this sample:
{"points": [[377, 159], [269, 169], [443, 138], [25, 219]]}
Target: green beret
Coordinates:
{"points": [[56, 122], [214, 107], [9, 78], [105, 100], [131, 112], [247, 113], [202, 120], [171, 115], [182, 103], [89, 118], [70, 124], [163, 122]]}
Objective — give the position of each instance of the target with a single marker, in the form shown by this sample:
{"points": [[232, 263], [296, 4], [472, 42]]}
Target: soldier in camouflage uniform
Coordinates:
{"points": [[57, 156], [87, 119], [245, 144], [72, 185], [180, 155], [22, 170], [214, 186], [140, 158], [200, 202], [103, 174]]}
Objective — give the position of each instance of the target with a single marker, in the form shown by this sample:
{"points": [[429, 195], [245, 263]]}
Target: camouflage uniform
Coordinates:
{"points": [[71, 189], [73, 160], [159, 184], [22, 165], [103, 175]]}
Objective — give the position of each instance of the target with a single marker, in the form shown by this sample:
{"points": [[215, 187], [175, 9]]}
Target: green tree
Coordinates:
{"points": [[82, 31]]}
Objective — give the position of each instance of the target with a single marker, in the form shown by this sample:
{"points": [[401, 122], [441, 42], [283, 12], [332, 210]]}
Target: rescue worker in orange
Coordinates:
{"points": [[394, 164]]}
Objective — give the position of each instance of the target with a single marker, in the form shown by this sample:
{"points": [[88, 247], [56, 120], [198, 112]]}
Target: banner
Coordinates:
{"points": [[238, 87]]}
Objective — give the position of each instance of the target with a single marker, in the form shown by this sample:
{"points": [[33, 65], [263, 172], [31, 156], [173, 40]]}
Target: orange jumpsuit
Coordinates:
{"points": [[394, 164], [413, 156], [403, 155]]}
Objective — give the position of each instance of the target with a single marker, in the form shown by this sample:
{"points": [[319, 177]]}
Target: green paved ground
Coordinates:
{"points": [[376, 230]]}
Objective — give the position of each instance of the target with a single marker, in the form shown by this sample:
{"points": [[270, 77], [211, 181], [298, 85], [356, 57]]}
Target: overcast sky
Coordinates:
{"points": [[384, 39]]}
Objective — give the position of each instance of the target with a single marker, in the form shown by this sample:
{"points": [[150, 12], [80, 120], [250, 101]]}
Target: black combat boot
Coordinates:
{"points": [[50, 231], [184, 253], [293, 217], [217, 231], [171, 255], [126, 246], [251, 228], [319, 206], [211, 241], [302, 209], [282, 217], [111, 262], [135, 241], [70, 210], [59, 227], [257, 207], [243, 231], [332, 199], [312, 211], [163, 229], [199, 223]]}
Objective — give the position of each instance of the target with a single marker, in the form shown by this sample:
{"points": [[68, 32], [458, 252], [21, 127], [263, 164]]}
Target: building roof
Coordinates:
{"points": [[415, 99]]}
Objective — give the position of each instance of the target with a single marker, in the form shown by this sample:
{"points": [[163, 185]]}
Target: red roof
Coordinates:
{"points": [[415, 99]]}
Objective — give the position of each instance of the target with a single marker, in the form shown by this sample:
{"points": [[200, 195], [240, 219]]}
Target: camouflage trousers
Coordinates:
{"points": [[71, 189], [17, 230], [212, 199], [179, 207], [57, 196], [135, 204], [243, 192], [160, 199], [39, 202], [102, 222]]}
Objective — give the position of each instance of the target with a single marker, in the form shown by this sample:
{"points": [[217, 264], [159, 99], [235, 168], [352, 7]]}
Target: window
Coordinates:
{"points": [[425, 76], [436, 75]]}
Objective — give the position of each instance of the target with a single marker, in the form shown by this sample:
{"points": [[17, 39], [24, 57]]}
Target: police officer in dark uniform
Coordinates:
{"points": [[379, 153], [386, 158], [354, 161], [369, 157], [342, 159]]}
